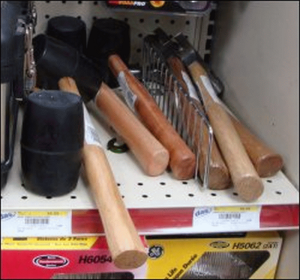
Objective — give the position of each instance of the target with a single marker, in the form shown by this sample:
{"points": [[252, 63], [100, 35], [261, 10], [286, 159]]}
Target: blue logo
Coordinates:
{"points": [[7, 216], [202, 212]]}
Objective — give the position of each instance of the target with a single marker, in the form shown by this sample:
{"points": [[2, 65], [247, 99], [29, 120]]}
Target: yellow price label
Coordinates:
{"points": [[41, 243], [43, 213], [235, 209]]}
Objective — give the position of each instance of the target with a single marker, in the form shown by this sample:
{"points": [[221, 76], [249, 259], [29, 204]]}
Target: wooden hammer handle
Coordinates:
{"points": [[265, 160], [150, 153], [219, 177], [124, 243], [182, 159], [243, 174]]}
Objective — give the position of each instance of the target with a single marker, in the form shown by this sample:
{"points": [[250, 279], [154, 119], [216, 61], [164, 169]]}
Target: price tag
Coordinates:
{"points": [[227, 219], [36, 223], [90, 133]]}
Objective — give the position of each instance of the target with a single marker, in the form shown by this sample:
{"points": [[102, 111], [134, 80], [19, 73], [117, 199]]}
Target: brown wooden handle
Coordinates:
{"points": [[219, 177], [182, 159], [123, 240], [265, 160], [243, 174], [149, 152]]}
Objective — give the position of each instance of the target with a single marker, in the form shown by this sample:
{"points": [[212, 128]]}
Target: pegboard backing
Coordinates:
{"points": [[141, 23], [138, 190]]}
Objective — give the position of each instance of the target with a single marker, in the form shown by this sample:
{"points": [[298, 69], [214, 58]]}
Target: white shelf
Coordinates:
{"points": [[138, 190]]}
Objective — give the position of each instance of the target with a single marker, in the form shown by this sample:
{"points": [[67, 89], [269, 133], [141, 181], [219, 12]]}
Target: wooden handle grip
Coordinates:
{"points": [[219, 177], [124, 243], [243, 174], [182, 159], [150, 153], [122, 238], [265, 160]]}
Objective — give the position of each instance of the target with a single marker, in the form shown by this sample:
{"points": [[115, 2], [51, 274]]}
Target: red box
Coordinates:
{"points": [[48, 258]]}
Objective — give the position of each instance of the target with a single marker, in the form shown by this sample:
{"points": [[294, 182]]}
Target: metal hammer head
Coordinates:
{"points": [[188, 55], [165, 44], [186, 51]]}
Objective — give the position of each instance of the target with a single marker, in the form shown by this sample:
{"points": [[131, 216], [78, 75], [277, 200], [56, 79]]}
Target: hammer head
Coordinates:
{"points": [[186, 51], [188, 55], [167, 47], [56, 59]]}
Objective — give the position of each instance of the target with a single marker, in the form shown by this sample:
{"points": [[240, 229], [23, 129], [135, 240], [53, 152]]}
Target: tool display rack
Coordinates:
{"points": [[158, 205]]}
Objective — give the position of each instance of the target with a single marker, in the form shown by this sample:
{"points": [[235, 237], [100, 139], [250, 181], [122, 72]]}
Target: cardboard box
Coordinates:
{"points": [[251, 256], [254, 256], [59, 258]]}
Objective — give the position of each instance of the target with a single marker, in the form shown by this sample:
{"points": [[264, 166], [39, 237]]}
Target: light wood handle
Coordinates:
{"points": [[219, 177], [123, 240], [243, 174], [149, 152], [265, 160], [182, 159]]}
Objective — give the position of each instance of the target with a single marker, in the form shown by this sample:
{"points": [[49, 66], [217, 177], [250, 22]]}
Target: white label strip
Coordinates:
{"points": [[191, 88], [90, 133], [227, 219], [36, 223], [129, 96], [207, 84]]}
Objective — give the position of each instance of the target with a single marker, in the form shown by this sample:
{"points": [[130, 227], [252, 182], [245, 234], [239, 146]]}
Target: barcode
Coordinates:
{"points": [[37, 221], [228, 216], [93, 134]]}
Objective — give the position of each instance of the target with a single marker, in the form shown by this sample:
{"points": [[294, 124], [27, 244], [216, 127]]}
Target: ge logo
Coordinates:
{"points": [[155, 252]]}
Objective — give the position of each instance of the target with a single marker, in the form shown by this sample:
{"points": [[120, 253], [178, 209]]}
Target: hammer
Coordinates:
{"points": [[56, 59], [266, 161], [219, 177], [125, 245], [245, 179], [109, 43], [182, 159]]}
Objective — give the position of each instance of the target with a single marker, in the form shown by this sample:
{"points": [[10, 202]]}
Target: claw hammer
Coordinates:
{"points": [[245, 178]]}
